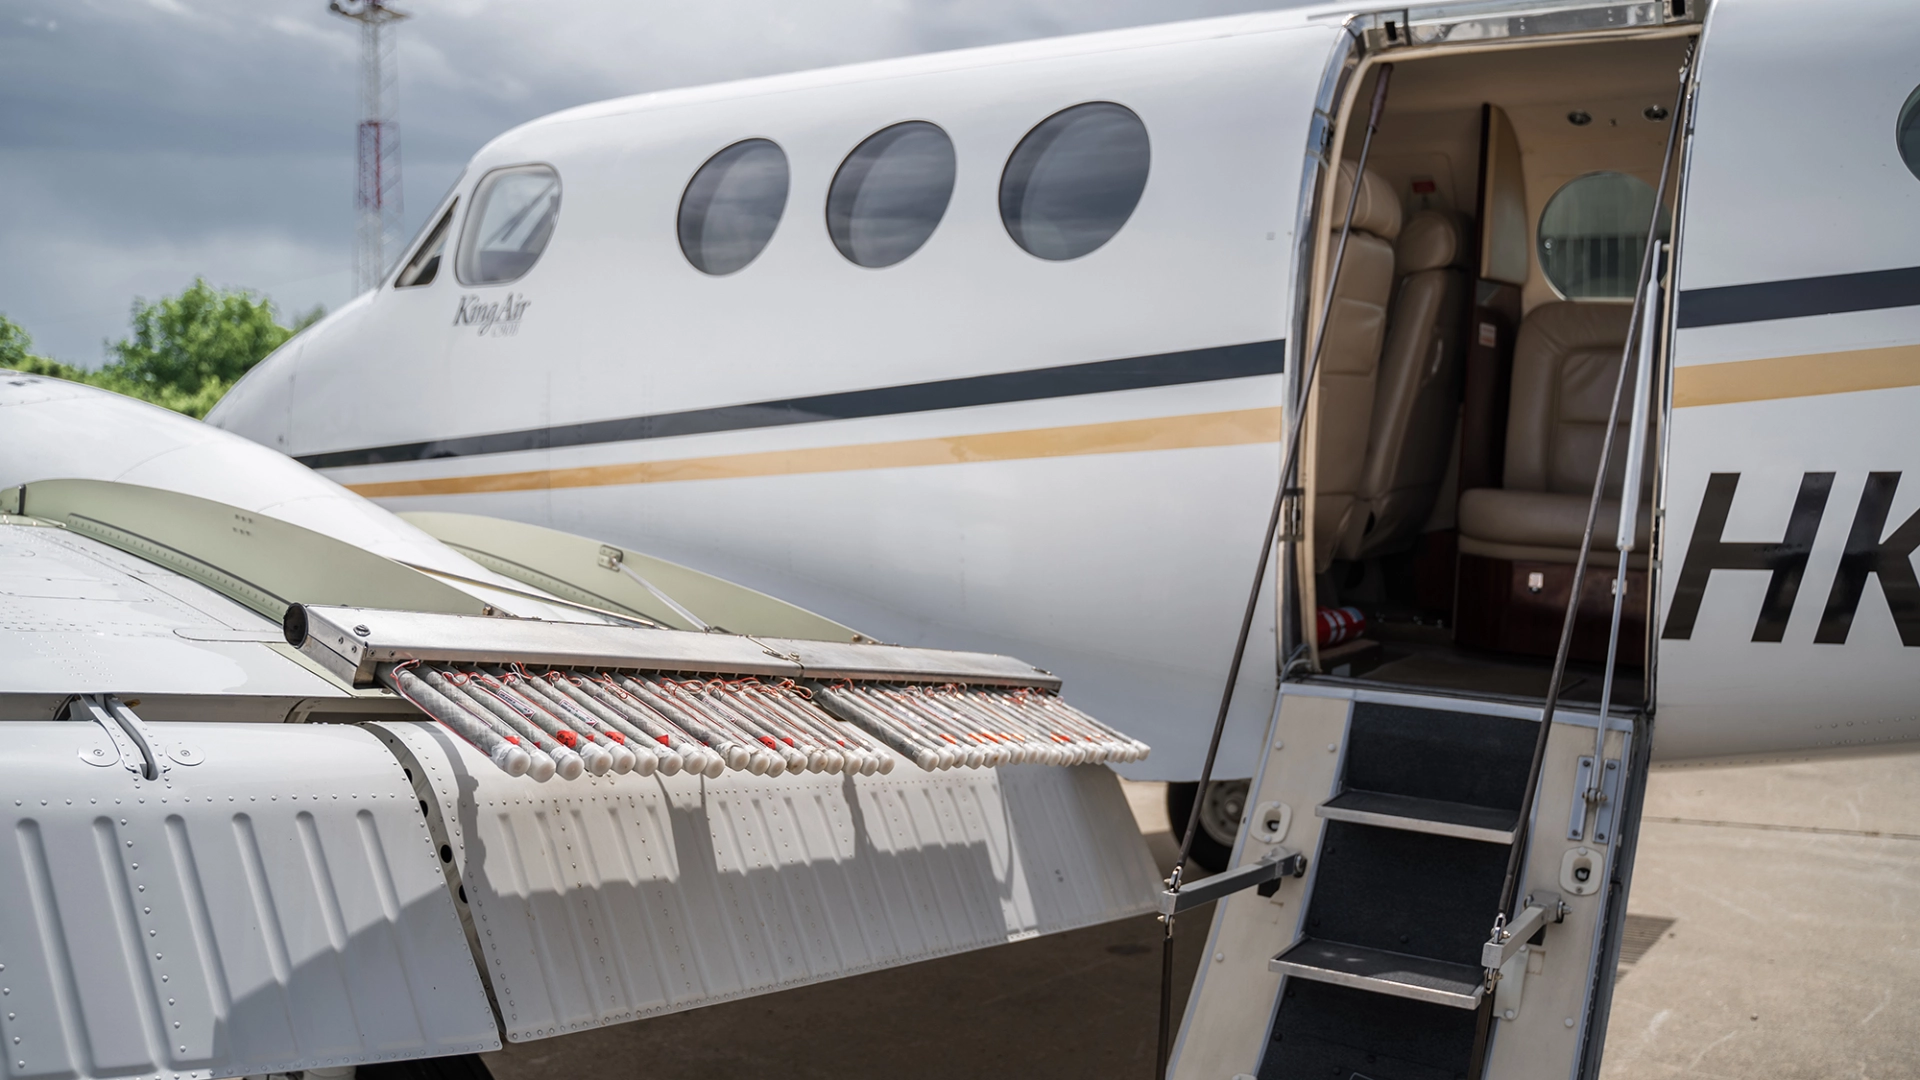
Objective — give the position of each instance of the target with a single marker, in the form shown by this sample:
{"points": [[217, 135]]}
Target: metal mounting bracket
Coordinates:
{"points": [[1292, 523], [138, 750], [1602, 807], [1508, 938], [1609, 802], [1276, 864]]}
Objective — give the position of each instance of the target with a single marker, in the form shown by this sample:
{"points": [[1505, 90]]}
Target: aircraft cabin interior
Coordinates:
{"points": [[1470, 360]]}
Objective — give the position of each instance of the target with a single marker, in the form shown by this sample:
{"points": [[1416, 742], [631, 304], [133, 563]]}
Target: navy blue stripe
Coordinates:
{"points": [[1801, 296], [1132, 373]]}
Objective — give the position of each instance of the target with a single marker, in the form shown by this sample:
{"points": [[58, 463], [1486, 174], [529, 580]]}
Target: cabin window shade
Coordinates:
{"points": [[1074, 180], [425, 264], [890, 193], [1593, 234], [732, 205], [512, 218]]}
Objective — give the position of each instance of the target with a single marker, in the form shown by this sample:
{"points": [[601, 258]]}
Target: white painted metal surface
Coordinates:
{"points": [[44, 424], [239, 915], [77, 616], [1103, 536], [1725, 687], [614, 898]]}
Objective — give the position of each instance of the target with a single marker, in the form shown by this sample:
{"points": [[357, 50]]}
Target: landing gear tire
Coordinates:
{"points": [[1220, 814]]}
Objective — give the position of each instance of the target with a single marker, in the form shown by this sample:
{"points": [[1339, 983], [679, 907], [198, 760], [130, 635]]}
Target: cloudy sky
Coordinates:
{"points": [[143, 142]]}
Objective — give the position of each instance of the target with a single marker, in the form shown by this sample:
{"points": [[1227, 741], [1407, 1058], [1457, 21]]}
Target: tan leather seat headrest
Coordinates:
{"points": [[1377, 211], [1430, 241]]}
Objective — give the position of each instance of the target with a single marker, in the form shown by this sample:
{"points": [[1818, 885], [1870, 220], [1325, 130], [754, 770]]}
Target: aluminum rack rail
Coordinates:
{"points": [[544, 699]]}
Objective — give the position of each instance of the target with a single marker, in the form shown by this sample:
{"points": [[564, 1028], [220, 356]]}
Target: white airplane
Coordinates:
{"points": [[1010, 348]]}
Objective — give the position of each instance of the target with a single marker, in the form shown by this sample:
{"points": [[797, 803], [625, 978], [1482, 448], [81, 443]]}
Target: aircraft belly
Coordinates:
{"points": [[274, 906], [613, 898]]}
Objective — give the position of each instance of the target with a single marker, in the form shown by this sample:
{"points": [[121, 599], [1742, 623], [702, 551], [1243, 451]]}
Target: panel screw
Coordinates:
{"points": [[1579, 118], [362, 630]]}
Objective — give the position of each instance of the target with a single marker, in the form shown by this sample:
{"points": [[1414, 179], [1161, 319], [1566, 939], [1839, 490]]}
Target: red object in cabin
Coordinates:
{"points": [[1338, 624]]}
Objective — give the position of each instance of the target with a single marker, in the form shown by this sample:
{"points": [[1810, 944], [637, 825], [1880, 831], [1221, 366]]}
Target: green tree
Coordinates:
{"points": [[185, 351], [16, 346], [16, 354]]}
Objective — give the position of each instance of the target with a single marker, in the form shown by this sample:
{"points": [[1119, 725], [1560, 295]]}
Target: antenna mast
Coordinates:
{"points": [[377, 190]]}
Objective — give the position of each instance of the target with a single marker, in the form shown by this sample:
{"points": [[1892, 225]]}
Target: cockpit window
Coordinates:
{"points": [[1907, 132], [425, 263], [890, 193], [1074, 180], [512, 219], [732, 205], [1594, 232]]}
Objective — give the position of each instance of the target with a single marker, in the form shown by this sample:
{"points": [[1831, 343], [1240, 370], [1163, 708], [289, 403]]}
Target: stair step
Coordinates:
{"points": [[1417, 977], [1409, 813]]}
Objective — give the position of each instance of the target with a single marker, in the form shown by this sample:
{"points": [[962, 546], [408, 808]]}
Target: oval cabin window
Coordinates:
{"points": [[1594, 232], [1907, 133], [890, 193], [732, 206], [510, 222], [1074, 180]]}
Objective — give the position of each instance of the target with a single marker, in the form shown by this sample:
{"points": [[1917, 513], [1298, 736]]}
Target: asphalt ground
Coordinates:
{"points": [[1774, 931]]}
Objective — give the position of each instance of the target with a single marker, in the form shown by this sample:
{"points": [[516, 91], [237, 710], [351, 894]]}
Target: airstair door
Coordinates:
{"points": [[1443, 871]]}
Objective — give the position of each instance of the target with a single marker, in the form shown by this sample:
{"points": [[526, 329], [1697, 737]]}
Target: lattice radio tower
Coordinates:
{"points": [[377, 190]]}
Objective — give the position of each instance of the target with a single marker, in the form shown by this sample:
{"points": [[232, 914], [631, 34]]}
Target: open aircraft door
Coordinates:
{"points": [[1442, 860]]}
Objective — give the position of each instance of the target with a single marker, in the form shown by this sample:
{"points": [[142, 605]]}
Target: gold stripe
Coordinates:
{"points": [[1161, 433], [1797, 376]]}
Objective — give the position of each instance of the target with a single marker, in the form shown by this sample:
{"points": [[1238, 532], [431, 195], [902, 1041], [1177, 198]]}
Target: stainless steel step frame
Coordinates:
{"points": [[1308, 752]]}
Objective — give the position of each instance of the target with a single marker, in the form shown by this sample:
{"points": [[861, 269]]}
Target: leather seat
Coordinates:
{"points": [[1350, 359], [1416, 404], [1565, 361]]}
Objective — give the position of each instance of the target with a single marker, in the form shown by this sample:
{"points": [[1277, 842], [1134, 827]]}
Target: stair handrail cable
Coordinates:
{"points": [[1509, 885], [1289, 463]]}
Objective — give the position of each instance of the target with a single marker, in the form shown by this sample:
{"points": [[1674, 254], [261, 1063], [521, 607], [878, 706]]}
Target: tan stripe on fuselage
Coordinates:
{"points": [[1796, 376], [1729, 383], [1160, 433]]}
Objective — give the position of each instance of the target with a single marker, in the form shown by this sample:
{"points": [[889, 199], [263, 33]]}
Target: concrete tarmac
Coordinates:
{"points": [[1774, 925], [1774, 931]]}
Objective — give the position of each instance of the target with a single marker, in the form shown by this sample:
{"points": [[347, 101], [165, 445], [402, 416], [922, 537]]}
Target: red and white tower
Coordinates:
{"points": [[377, 191]]}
